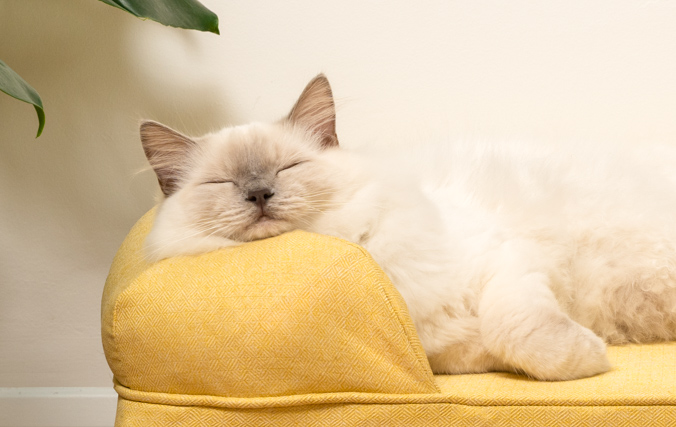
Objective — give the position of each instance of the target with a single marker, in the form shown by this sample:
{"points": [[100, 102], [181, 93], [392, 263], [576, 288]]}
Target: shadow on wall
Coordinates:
{"points": [[68, 198], [87, 61]]}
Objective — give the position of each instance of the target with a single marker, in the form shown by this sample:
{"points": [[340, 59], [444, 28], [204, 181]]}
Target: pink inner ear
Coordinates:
{"points": [[167, 152], [315, 111]]}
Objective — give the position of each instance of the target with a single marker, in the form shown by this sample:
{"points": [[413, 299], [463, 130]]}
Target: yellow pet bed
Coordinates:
{"points": [[304, 329]]}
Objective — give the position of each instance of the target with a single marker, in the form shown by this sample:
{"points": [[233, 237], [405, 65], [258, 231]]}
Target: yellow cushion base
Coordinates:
{"points": [[173, 335], [138, 414]]}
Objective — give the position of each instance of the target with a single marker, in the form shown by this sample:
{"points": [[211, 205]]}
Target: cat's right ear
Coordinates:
{"points": [[167, 151]]}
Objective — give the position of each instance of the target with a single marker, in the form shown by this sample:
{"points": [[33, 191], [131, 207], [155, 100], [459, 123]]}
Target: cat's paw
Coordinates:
{"points": [[555, 349], [579, 354]]}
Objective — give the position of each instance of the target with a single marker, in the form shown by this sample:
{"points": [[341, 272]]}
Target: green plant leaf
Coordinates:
{"points": [[189, 14], [16, 87]]}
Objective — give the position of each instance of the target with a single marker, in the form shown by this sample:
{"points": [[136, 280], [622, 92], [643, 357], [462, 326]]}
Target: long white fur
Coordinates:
{"points": [[509, 256]]}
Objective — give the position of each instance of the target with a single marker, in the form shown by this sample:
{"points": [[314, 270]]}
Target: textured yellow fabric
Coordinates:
{"points": [[641, 375], [306, 330], [298, 313], [136, 414]]}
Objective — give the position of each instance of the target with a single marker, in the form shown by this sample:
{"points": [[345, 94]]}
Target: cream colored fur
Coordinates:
{"points": [[509, 257]]}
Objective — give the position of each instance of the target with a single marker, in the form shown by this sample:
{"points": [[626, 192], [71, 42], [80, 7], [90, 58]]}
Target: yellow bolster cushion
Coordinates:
{"points": [[295, 314]]}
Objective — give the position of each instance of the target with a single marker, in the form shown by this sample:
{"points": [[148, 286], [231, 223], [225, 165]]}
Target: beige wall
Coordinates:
{"points": [[402, 71]]}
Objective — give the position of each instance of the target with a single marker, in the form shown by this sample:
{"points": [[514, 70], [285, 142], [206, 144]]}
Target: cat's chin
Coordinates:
{"points": [[264, 227]]}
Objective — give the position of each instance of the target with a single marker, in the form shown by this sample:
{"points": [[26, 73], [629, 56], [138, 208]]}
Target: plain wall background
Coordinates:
{"points": [[402, 72]]}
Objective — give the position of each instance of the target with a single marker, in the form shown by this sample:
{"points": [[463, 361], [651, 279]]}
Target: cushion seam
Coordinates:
{"points": [[352, 399], [396, 314]]}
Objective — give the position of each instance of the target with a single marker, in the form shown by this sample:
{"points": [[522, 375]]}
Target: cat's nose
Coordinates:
{"points": [[260, 196]]}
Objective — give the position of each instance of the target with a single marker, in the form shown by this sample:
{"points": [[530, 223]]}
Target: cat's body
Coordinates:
{"points": [[507, 256]]}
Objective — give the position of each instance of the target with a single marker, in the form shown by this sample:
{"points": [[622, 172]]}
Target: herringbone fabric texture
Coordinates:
{"points": [[298, 313], [304, 329]]}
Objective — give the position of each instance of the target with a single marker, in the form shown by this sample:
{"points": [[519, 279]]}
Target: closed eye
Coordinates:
{"points": [[291, 165], [218, 181]]}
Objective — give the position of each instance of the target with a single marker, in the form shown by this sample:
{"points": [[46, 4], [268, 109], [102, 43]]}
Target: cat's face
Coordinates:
{"points": [[255, 181]]}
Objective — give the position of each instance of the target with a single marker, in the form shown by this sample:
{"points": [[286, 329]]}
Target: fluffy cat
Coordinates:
{"points": [[509, 257]]}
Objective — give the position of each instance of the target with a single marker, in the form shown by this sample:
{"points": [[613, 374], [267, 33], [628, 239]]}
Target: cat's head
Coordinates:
{"points": [[246, 182]]}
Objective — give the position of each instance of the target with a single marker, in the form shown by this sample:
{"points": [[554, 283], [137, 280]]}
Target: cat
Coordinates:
{"points": [[510, 257]]}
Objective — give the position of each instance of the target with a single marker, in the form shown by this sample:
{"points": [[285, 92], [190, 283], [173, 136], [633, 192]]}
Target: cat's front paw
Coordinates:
{"points": [[579, 355], [556, 349]]}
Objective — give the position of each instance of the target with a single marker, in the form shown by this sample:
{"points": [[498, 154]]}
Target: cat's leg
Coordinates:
{"points": [[522, 324], [466, 353]]}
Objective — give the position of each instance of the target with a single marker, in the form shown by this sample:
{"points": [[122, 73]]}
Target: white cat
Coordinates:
{"points": [[509, 257]]}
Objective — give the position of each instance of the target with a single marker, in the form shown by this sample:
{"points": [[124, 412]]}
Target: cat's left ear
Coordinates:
{"points": [[316, 112]]}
